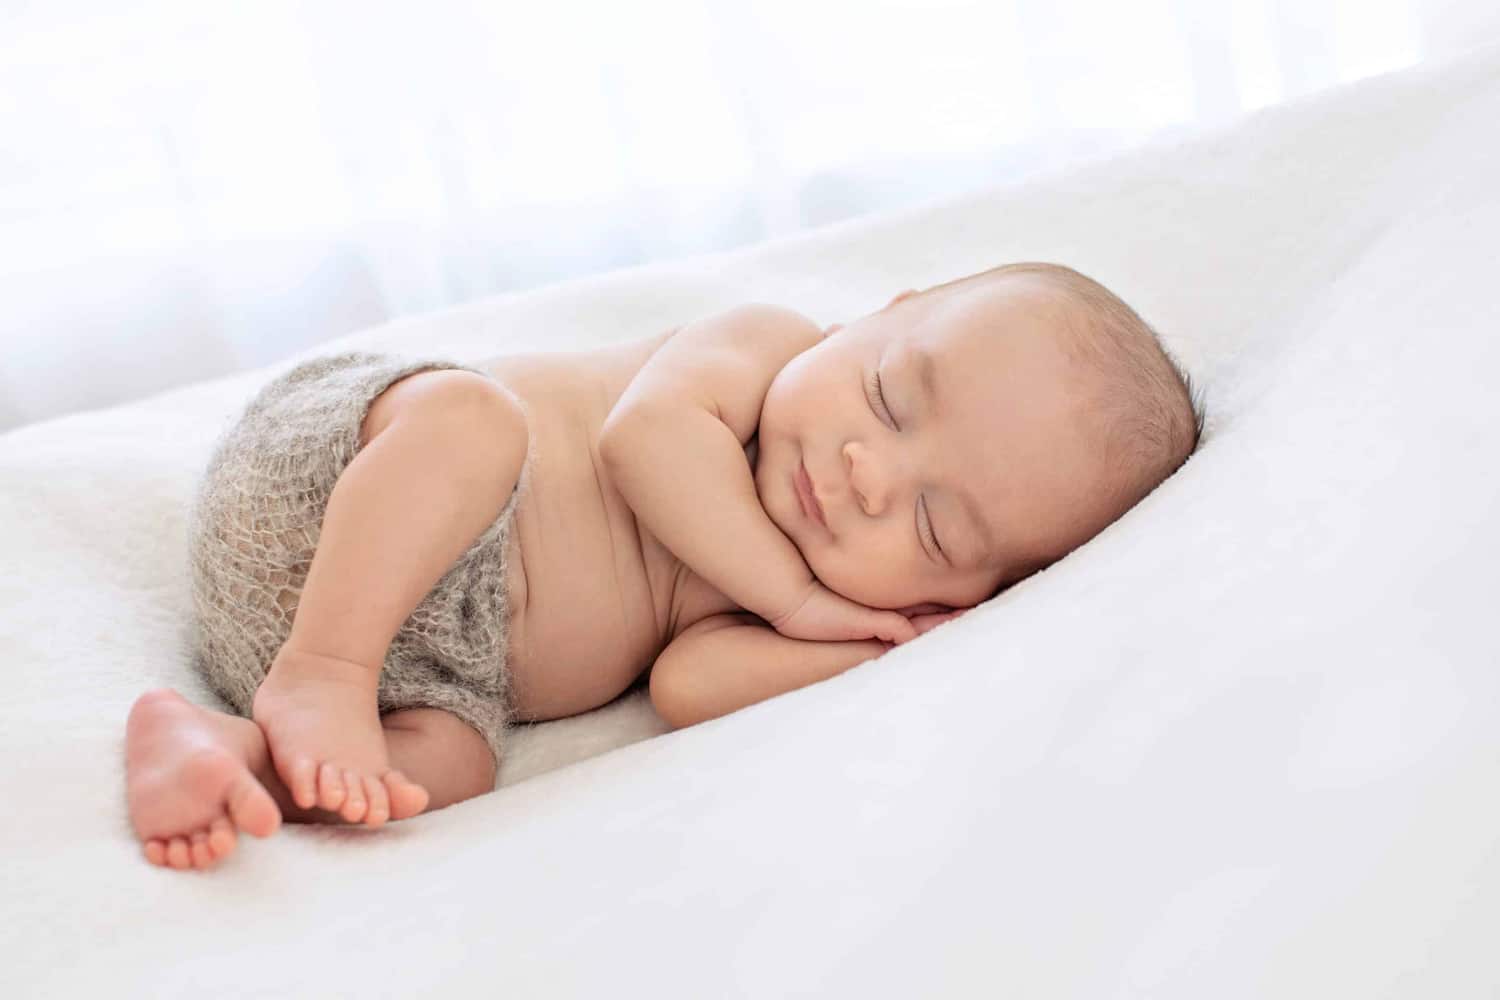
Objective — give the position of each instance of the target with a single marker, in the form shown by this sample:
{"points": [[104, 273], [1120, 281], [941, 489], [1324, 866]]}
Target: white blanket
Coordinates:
{"points": [[1245, 743]]}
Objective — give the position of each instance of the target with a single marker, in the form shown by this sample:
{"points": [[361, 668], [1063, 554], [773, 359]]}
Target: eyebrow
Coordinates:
{"points": [[927, 376]]}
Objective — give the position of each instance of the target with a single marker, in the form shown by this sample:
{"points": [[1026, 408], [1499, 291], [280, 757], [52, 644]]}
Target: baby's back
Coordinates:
{"points": [[594, 596]]}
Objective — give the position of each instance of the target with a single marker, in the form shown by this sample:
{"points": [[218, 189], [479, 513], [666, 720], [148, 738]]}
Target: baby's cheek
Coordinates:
{"points": [[866, 578]]}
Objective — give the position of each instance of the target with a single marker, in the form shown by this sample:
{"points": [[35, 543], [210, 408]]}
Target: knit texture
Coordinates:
{"points": [[254, 529]]}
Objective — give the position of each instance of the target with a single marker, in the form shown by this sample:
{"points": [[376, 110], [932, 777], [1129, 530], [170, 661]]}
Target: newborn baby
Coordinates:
{"points": [[736, 508]]}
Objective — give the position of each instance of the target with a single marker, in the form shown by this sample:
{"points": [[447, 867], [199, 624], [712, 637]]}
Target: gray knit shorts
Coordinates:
{"points": [[254, 528]]}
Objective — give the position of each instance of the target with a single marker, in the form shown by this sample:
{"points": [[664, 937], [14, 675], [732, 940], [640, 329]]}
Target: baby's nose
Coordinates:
{"points": [[868, 480]]}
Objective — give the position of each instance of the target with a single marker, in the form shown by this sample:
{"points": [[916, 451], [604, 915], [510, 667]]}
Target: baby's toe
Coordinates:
{"points": [[407, 797], [355, 805], [251, 807], [202, 854], [331, 791], [221, 838], [156, 851], [178, 855], [380, 806], [301, 777]]}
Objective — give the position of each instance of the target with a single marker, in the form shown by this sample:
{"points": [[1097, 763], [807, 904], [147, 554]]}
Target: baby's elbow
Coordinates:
{"points": [[611, 443], [671, 697]]}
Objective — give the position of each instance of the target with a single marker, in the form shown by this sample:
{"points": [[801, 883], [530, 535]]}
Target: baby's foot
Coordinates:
{"points": [[189, 782], [322, 724]]}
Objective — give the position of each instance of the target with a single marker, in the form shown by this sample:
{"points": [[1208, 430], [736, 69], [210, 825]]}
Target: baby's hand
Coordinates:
{"points": [[828, 617], [926, 617]]}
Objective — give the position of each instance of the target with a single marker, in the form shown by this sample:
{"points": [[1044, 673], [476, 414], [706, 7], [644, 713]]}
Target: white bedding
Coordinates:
{"points": [[1244, 743]]}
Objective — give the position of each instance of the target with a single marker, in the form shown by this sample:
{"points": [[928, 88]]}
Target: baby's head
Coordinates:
{"points": [[969, 435]]}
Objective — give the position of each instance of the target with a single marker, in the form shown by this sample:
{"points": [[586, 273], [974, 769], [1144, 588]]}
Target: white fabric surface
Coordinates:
{"points": [[1243, 744]]}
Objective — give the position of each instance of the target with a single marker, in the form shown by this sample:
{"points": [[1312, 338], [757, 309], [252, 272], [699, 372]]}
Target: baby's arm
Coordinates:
{"points": [[726, 662], [674, 446]]}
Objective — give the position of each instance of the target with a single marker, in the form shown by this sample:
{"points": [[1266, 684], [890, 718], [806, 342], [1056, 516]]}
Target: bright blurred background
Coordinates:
{"points": [[190, 189]]}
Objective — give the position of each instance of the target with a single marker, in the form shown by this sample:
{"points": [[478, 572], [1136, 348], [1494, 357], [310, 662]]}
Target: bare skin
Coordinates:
{"points": [[596, 597], [306, 700], [195, 776]]}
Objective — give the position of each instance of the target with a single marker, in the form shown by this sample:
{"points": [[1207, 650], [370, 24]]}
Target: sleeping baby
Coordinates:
{"points": [[394, 560]]}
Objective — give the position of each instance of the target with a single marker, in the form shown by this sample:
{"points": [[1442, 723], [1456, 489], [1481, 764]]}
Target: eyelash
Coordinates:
{"points": [[880, 395], [930, 533]]}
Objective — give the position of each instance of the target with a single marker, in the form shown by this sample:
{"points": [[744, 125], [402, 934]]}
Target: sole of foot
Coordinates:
{"points": [[189, 786]]}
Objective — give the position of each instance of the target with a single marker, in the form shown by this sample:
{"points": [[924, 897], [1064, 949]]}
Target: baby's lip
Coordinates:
{"points": [[807, 495]]}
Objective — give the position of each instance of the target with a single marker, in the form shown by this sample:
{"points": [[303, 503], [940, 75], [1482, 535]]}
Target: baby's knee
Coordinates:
{"points": [[446, 388]]}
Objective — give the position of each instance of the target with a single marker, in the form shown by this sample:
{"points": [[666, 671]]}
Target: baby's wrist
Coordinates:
{"points": [[796, 597]]}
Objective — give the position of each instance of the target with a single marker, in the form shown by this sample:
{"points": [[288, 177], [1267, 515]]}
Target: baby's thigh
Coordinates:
{"points": [[259, 506]]}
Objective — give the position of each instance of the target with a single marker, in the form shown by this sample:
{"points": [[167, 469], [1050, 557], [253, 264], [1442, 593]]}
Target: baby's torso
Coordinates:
{"points": [[594, 597]]}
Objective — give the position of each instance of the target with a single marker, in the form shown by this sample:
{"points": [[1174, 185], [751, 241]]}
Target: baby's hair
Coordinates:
{"points": [[1150, 414]]}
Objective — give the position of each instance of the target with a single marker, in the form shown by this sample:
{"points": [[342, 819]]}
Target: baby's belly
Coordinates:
{"points": [[593, 598], [572, 652], [585, 621]]}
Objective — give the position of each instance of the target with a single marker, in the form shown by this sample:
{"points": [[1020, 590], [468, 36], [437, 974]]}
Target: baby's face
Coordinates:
{"points": [[970, 466]]}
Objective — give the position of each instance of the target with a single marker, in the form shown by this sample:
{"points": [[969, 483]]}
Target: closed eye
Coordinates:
{"points": [[878, 391], [931, 534]]}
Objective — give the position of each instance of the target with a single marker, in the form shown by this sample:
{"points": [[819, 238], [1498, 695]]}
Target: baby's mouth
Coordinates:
{"points": [[807, 497]]}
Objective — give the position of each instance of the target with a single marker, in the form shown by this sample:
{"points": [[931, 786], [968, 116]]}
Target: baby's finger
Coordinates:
{"points": [[896, 628]]}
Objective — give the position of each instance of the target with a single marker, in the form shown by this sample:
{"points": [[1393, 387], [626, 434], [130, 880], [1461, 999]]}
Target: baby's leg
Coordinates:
{"points": [[442, 456], [440, 752], [194, 777]]}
